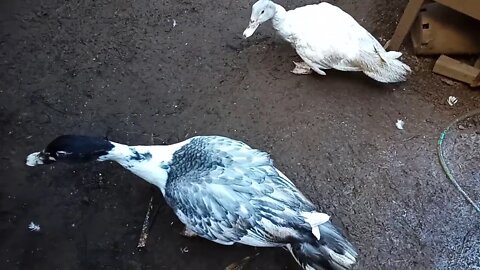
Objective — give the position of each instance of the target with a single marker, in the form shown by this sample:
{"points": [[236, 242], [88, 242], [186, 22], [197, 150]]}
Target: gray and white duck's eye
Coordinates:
{"points": [[263, 11]]}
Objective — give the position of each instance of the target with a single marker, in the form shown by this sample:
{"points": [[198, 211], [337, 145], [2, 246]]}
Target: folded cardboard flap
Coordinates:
{"points": [[468, 7]]}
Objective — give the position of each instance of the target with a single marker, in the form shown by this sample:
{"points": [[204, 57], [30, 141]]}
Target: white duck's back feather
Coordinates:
{"points": [[326, 30]]}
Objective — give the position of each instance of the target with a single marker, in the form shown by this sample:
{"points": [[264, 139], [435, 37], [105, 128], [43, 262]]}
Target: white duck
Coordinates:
{"points": [[224, 191], [326, 37]]}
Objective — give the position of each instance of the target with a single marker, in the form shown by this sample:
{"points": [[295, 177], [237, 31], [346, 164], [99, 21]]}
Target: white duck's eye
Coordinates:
{"points": [[263, 11]]}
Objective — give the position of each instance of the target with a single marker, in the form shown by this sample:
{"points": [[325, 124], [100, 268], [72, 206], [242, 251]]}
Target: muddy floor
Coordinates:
{"points": [[162, 71]]}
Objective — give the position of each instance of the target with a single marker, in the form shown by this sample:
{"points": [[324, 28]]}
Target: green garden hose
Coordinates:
{"points": [[442, 158]]}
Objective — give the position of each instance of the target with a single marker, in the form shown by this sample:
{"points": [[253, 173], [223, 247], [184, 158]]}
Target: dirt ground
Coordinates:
{"points": [[121, 68]]}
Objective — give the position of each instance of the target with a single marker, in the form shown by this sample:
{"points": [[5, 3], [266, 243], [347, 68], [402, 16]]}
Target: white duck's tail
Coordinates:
{"points": [[385, 67], [331, 252]]}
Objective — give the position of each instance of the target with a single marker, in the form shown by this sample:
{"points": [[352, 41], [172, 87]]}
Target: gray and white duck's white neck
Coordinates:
{"points": [[150, 163]]}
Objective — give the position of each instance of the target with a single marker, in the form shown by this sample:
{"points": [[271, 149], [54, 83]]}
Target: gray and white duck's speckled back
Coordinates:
{"points": [[224, 191]]}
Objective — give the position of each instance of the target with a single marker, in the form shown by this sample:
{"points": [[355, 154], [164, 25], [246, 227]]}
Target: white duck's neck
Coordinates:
{"points": [[148, 162], [278, 19]]}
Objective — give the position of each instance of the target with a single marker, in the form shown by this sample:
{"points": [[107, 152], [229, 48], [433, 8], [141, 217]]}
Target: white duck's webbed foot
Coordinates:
{"points": [[187, 232], [301, 68]]}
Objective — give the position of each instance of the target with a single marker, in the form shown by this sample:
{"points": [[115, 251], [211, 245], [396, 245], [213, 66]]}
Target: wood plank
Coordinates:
{"points": [[456, 70], [477, 63], [468, 7], [476, 81], [403, 27]]}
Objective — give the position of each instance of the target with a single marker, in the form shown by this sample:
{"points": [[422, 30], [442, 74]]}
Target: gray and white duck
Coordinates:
{"points": [[222, 190], [326, 37]]}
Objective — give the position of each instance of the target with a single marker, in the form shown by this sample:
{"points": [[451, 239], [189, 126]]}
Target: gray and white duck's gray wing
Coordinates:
{"points": [[234, 194]]}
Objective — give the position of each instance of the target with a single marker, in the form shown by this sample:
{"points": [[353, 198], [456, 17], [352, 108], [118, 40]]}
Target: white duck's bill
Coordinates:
{"points": [[250, 29]]}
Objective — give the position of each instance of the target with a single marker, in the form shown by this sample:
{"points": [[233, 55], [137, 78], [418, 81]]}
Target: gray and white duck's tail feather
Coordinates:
{"points": [[332, 252]]}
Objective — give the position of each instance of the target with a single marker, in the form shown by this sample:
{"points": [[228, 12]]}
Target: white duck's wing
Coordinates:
{"points": [[328, 37], [226, 192]]}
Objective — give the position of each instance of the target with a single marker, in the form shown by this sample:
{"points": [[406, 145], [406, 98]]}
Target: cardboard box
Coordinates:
{"points": [[442, 30]]}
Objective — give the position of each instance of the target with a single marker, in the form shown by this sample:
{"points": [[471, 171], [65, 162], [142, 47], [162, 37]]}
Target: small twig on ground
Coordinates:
{"points": [[239, 265], [144, 234], [146, 223], [411, 138]]}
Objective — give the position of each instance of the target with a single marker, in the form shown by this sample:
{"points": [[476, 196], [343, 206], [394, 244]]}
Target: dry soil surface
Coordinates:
{"points": [[169, 70]]}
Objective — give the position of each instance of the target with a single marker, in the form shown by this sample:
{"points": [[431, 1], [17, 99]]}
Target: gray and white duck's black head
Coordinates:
{"points": [[71, 148], [150, 163]]}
